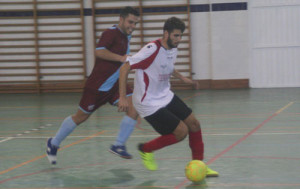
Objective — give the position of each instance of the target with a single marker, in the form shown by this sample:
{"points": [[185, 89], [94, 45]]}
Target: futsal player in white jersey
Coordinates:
{"points": [[153, 99]]}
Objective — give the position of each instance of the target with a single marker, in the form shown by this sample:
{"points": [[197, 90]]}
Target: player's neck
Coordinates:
{"points": [[118, 26], [165, 44]]}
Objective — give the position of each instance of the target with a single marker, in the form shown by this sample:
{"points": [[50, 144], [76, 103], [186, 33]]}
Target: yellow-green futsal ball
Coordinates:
{"points": [[195, 170]]}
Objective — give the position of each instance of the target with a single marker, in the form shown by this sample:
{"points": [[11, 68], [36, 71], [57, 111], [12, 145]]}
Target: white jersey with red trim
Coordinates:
{"points": [[154, 65]]}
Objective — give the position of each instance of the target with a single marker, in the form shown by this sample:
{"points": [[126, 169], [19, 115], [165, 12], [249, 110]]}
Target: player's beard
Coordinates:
{"points": [[170, 43], [130, 31], [125, 30]]}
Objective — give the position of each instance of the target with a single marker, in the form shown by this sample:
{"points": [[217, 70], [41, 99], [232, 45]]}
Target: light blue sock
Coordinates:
{"points": [[67, 126], [126, 128]]}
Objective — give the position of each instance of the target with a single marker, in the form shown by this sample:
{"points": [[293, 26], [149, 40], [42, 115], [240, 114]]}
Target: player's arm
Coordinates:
{"points": [[107, 40], [123, 103], [108, 55], [185, 79], [137, 61]]}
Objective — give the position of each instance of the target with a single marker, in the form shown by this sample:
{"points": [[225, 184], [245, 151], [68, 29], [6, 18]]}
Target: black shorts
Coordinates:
{"points": [[166, 119]]}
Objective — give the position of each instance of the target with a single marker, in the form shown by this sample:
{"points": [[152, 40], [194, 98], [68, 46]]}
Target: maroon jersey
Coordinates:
{"points": [[106, 73]]}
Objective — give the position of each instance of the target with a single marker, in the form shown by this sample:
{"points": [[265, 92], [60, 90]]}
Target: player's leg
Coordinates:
{"points": [[195, 137], [87, 105], [68, 125], [146, 149], [66, 128], [196, 142], [179, 133], [126, 126], [181, 110], [172, 130]]}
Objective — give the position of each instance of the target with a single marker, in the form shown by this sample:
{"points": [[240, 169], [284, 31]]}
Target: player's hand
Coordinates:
{"points": [[123, 105], [196, 85], [123, 58]]}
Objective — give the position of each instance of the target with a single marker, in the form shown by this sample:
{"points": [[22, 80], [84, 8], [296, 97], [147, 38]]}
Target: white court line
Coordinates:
{"points": [[25, 132], [142, 136], [6, 139]]}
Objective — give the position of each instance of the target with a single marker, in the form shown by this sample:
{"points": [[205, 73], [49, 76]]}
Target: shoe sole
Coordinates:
{"points": [[212, 175], [150, 169], [51, 159], [125, 157]]}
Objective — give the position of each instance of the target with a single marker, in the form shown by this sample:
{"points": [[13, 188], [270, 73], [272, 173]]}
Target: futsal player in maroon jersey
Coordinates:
{"points": [[102, 86]]}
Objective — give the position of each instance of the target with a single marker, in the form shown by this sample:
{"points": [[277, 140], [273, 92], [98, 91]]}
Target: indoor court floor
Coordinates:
{"points": [[251, 136]]}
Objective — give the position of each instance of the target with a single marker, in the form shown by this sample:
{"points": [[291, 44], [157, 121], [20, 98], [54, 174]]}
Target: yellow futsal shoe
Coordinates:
{"points": [[211, 173], [148, 159]]}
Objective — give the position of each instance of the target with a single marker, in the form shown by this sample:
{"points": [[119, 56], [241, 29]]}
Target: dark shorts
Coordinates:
{"points": [[165, 120], [92, 99]]}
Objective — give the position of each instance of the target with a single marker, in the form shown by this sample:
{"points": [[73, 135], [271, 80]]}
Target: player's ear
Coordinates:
{"points": [[122, 19], [166, 34]]}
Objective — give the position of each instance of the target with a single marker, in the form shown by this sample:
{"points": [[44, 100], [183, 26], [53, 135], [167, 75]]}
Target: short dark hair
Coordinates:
{"points": [[174, 23], [128, 10]]}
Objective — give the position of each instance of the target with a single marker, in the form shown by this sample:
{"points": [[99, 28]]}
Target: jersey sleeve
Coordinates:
{"points": [[106, 40], [144, 58]]}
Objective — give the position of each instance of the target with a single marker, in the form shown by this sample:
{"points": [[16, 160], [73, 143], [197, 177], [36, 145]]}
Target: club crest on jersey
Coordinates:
{"points": [[163, 66]]}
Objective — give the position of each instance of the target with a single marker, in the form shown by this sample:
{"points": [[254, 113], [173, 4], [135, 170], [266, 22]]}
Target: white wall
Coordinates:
{"points": [[220, 43], [201, 43], [275, 43]]}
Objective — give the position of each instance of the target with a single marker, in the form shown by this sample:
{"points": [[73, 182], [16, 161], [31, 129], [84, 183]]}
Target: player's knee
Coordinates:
{"points": [[194, 125], [131, 110], [181, 131], [80, 118], [132, 113], [183, 134]]}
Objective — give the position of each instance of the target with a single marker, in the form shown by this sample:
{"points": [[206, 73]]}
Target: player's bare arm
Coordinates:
{"points": [[108, 55], [123, 103], [185, 79], [181, 77]]}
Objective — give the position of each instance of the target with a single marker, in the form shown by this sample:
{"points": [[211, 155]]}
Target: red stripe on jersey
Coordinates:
{"points": [[144, 64], [146, 80]]}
